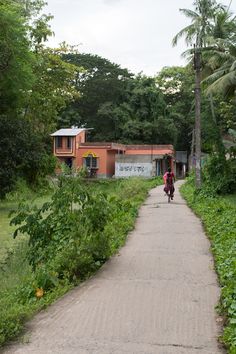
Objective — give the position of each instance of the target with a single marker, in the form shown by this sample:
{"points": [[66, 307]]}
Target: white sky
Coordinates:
{"points": [[136, 34]]}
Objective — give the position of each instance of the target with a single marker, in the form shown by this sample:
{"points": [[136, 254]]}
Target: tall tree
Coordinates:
{"points": [[53, 88], [177, 85], [100, 83], [145, 117], [34, 85], [23, 153], [202, 23], [16, 60]]}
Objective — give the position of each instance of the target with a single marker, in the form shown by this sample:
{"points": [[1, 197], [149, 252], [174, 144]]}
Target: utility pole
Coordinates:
{"points": [[197, 68]]}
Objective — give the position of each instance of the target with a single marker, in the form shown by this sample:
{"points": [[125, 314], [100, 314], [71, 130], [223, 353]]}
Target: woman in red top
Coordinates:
{"points": [[169, 179]]}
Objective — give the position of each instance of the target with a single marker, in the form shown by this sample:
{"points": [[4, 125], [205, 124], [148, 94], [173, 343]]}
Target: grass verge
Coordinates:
{"points": [[219, 218]]}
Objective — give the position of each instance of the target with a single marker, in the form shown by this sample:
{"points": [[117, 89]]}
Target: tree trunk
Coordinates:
{"points": [[192, 149], [197, 64], [219, 144]]}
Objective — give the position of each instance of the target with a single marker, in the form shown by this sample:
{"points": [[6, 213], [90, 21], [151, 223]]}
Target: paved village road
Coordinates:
{"points": [[156, 296]]}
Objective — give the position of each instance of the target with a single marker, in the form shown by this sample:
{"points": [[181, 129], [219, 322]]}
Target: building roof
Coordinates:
{"points": [[150, 147], [132, 149], [103, 145], [160, 150], [68, 132]]}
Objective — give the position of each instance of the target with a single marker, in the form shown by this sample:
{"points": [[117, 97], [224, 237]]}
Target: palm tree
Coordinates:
{"points": [[197, 33], [221, 57], [202, 19], [223, 79], [213, 31]]}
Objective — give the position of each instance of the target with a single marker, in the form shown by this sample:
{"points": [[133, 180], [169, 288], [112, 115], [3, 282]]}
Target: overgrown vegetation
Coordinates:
{"points": [[219, 175], [219, 218], [68, 238]]}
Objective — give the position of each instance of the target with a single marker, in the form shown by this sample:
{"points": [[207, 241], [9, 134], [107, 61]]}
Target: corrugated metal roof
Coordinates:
{"points": [[68, 132]]}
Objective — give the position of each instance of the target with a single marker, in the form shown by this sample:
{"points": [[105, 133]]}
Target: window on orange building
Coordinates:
{"points": [[91, 162], [58, 142], [69, 142]]}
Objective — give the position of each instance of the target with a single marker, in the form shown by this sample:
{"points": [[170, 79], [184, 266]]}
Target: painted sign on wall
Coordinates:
{"points": [[128, 169]]}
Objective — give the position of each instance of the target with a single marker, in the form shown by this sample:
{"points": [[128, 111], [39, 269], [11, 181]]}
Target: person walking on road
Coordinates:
{"points": [[169, 179]]}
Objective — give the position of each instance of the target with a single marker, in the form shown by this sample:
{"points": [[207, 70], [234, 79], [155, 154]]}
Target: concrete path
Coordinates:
{"points": [[156, 296]]}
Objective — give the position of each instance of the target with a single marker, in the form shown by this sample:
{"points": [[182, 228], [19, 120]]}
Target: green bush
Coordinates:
{"points": [[219, 175]]}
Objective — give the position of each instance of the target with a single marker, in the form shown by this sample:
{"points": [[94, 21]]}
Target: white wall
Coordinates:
{"points": [[128, 169]]}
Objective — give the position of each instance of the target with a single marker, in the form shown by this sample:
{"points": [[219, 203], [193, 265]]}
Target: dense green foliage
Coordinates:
{"points": [[69, 238], [15, 79], [132, 109], [145, 111], [25, 156], [52, 89], [118, 105], [35, 84], [177, 86], [219, 218]]}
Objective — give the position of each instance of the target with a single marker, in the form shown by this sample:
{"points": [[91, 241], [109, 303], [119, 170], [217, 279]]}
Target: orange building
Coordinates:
{"points": [[111, 159], [66, 143]]}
